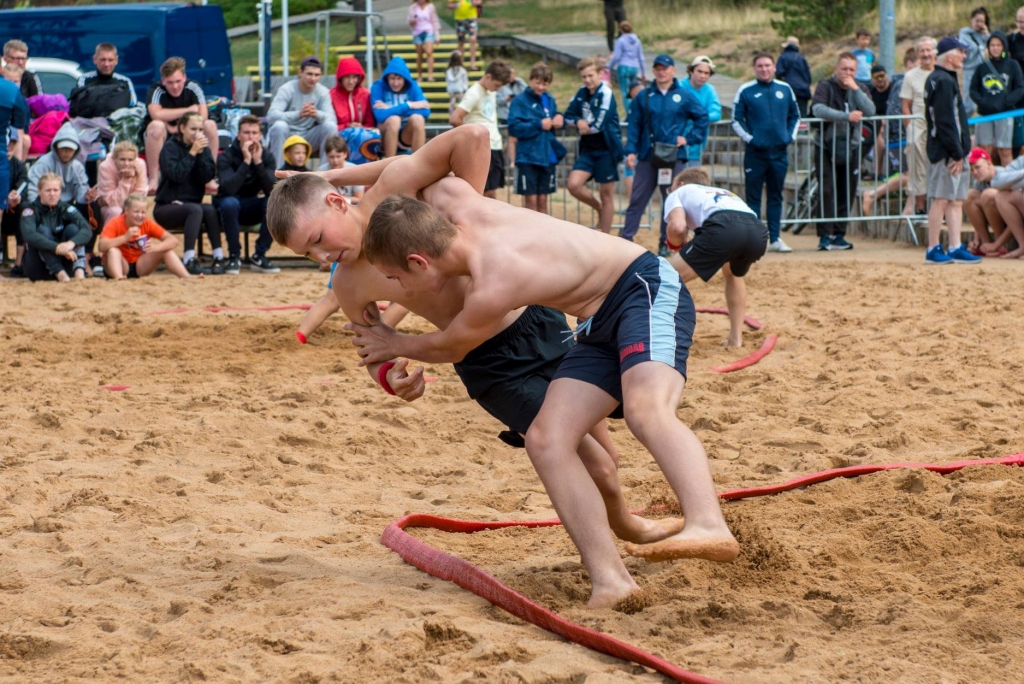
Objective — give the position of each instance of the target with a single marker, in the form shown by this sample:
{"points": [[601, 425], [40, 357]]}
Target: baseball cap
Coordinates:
{"points": [[664, 60], [949, 43], [878, 68], [977, 154], [792, 40], [67, 145], [311, 61], [702, 59]]}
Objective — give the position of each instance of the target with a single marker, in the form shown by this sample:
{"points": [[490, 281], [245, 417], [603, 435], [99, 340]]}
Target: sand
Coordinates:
{"points": [[220, 520]]}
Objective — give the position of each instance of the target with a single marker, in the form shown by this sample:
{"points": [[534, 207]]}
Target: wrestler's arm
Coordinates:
{"points": [[464, 151], [678, 231]]}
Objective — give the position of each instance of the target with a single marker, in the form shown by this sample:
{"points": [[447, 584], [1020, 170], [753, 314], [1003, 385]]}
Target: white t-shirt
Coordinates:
{"points": [[481, 106], [913, 89], [700, 201], [347, 191]]}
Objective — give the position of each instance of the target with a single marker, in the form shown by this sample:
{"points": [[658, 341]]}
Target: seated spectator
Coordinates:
{"points": [[301, 107], [16, 52], [296, 153], [121, 174], [61, 160], [17, 195], [400, 108], [133, 245], [1001, 186], [337, 158], [350, 99], [103, 91], [997, 86], [246, 174], [166, 102], [533, 118], [186, 166], [55, 233], [16, 75]]}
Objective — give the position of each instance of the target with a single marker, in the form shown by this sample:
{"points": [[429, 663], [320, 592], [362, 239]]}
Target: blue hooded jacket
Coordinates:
{"points": [[669, 115], [397, 103], [599, 111], [13, 113], [534, 145], [793, 69], [708, 98]]}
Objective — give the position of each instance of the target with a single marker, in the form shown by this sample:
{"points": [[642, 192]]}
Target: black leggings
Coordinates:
{"points": [[191, 216], [38, 265]]}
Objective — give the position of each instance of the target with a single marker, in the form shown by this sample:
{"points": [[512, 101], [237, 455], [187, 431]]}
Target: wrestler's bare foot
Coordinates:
{"points": [[690, 543], [731, 341], [633, 528], [611, 596], [1014, 254]]}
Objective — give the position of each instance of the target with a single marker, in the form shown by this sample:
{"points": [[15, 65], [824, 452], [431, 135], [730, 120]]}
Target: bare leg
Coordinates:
{"points": [[174, 265], [530, 202], [148, 262], [954, 222], [429, 47], [415, 132], [156, 135], [978, 219], [935, 215], [114, 264], [389, 135], [1005, 155], [542, 204], [419, 62], [736, 300], [472, 52], [1011, 208], [577, 186], [988, 205]]}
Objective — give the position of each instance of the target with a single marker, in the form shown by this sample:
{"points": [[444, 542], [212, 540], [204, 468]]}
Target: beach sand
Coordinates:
{"points": [[220, 520]]}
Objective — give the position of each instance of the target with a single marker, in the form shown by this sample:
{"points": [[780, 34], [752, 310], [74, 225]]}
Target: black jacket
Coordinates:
{"points": [[183, 177], [998, 84], [238, 179], [949, 138], [834, 103], [45, 227], [288, 166], [794, 70], [19, 175]]}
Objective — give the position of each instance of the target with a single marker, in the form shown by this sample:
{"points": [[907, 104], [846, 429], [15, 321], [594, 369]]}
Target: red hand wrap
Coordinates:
{"points": [[674, 248], [382, 376], [300, 337]]}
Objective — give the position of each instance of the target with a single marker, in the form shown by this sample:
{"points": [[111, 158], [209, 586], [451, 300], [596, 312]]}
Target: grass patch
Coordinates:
{"points": [[245, 49]]}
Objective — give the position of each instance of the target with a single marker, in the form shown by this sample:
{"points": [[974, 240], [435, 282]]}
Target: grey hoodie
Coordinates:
{"points": [[1009, 177], [76, 182]]}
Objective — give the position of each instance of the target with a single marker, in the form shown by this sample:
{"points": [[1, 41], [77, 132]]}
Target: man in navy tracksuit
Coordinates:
{"points": [[765, 115], [13, 114], [660, 113]]}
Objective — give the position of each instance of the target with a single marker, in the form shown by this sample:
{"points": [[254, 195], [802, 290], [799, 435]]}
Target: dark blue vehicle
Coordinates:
{"points": [[145, 35]]}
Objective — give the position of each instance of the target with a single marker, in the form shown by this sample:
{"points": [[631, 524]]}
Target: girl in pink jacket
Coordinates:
{"points": [[121, 174]]}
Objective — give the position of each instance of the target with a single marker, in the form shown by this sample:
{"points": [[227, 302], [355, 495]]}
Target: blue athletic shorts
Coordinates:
{"points": [[647, 316], [599, 165], [534, 179]]}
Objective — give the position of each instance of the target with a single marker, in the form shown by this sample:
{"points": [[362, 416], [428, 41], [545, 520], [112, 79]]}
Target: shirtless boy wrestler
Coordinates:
{"points": [[726, 235], [508, 373], [636, 328]]}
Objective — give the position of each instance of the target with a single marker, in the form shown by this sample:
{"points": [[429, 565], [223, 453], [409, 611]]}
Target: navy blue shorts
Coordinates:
{"points": [[534, 179], [647, 316], [599, 165]]}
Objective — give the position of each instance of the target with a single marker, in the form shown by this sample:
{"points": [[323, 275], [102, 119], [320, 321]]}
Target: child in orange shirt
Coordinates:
{"points": [[133, 245]]}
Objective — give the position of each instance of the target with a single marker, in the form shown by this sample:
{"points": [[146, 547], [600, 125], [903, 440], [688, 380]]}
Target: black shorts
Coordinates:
{"points": [[727, 237], [509, 374], [599, 165], [132, 272], [534, 179], [496, 174]]}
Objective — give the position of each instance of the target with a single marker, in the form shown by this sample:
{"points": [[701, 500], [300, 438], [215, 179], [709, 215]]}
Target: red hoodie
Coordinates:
{"points": [[352, 106]]}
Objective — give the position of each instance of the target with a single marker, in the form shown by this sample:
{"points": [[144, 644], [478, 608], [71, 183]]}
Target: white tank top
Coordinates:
{"points": [[700, 201]]}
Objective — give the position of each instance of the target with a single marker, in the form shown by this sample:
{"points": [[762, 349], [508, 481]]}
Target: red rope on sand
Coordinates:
{"points": [[751, 322], [750, 359], [468, 576]]}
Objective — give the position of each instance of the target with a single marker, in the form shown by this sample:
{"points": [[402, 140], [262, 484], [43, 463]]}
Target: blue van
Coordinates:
{"points": [[145, 35]]}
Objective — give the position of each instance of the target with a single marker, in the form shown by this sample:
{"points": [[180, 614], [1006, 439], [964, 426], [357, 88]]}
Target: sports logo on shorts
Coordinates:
{"points": [[635, 348]]}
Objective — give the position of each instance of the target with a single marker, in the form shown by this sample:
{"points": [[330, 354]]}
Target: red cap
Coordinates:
{"points": [[976, 154]]}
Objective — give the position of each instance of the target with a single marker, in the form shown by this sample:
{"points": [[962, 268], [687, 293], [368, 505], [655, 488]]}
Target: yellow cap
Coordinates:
{"points": [[298, 140]]}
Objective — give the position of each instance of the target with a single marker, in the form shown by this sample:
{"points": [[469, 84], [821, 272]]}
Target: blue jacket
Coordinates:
{"points": [[668, 116], [13, 111], [397, 103], [793, 69], [765, 115], [534, 145], [708, 98], [599, 111]]}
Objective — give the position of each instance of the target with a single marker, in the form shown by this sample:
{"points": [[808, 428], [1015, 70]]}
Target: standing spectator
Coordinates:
{"points": [[1015, 46], [456, 81], [479, 106], [996, 87], [766, 117], [55, 233], [133, 245], [17, 194], [16, 52], [121, 174], [912, 97], [166, 102], [246, 174], [879, 90], [15, 74], [515, 87], [865, 57], [628, 60], [841, 100], [628, 174], [655, 126], [614, 15], [949, 141], [426, 30], [466, 14], [700, 70], [13, 114], [595, 115], [974, 37], [101, 92], [301, 107], [792, 68], [400, 108], [186, 166], [533, 118], [61, 161], [350, 99]]}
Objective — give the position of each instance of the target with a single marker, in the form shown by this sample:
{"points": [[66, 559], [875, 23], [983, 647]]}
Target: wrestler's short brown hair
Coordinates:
{"points": [[296, 197], [695, 175], [587, 63], [401, 226], [499, 70]]}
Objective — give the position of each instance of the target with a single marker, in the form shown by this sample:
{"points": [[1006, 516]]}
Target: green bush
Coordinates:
{"points": [[242, 12], [827, 19]]}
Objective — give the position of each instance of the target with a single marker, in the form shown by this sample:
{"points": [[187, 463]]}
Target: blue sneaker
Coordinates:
{"points": [[839, 242], [960, 255], [824, 244], [936, 256]]}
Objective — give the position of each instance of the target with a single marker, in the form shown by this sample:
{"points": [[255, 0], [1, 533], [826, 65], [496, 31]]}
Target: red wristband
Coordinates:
{"points": [[300, 337], [674, 248], [382, 376]]}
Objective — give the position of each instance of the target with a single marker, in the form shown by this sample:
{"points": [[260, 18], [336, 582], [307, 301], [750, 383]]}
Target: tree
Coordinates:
{"points": [[817, 18]]}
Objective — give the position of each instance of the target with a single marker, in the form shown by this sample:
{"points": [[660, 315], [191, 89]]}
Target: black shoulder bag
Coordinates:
{"points": [[664, 155]]}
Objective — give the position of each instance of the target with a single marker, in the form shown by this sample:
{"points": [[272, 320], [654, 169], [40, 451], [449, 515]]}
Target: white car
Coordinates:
{"points": [[55, 75]]}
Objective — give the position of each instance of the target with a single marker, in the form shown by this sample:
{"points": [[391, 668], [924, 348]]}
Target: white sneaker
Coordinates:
{"points": [[779, 246]]}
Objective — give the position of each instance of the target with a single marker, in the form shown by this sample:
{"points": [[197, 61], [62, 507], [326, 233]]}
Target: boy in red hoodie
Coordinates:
{"points": [[351, 100]]}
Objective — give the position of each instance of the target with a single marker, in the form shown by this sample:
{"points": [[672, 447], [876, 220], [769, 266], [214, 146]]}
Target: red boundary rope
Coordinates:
{"points": [[750, 359], [469, 577], [221, 309], [751, 322]]}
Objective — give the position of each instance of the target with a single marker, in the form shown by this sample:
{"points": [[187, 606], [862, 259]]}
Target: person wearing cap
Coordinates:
{"points": [[627, 60], [996, 87], [765, 116], [166, 102], [912, 99], [949, 141], [700, 70], [995, 201], [660, 114], [792, 68], [302, 107], [16, 194]]}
